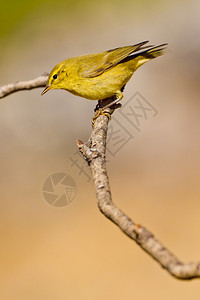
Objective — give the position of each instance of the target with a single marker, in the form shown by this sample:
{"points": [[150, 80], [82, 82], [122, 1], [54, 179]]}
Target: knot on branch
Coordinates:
{"points": [[142, 234], [89, 153]]}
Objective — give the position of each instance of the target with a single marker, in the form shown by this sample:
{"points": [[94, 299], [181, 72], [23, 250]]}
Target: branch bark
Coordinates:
{"points": [[23, 85], [94, 151]]}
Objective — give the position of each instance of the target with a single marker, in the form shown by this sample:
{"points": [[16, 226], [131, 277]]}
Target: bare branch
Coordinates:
{"points": [[94, 151], [23, 85]]}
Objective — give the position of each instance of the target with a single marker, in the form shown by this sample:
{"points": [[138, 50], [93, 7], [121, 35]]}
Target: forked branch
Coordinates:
{"points": [[94, 151]]}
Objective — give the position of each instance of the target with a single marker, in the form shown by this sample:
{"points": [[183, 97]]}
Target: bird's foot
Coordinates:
{"points": [[98, 113], [106, 103]]}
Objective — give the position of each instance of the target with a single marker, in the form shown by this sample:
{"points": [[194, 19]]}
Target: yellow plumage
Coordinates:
{"points": [[102, 75]]}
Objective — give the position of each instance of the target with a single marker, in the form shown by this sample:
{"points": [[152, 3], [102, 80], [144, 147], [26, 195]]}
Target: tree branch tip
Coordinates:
{"points": [[79, 143]]}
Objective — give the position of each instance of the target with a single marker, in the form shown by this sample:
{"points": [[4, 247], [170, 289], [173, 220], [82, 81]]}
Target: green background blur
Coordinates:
{"points": [[74, 252]]}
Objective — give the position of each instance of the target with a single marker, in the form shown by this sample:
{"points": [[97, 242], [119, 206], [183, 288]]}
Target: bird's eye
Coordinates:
{"points": [[55, 76]]}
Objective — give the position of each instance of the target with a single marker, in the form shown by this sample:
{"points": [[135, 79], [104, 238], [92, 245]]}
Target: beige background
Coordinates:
{"points": [[74, 252]]}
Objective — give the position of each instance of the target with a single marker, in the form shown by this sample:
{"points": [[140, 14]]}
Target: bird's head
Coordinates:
{"points": [[56, 78]]}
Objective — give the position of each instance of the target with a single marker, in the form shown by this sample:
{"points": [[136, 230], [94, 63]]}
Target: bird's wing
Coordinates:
{"points": [[99, 63]]}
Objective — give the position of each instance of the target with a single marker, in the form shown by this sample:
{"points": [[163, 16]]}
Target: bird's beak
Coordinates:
{"points": [[47, 88]]}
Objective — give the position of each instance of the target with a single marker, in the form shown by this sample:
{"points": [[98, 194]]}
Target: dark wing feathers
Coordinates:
{"points": [[151, 53], [109, 59]]}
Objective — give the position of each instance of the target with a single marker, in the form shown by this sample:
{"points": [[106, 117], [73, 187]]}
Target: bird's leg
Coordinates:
{"points": [[100, 110], [118, 97], [99, 104]]}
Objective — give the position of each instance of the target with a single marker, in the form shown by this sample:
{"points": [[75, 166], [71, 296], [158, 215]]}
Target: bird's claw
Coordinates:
{"points": [[100, 112]]}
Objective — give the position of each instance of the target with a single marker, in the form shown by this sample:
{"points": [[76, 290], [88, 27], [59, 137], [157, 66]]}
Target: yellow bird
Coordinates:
{"points": [[102, 75]]}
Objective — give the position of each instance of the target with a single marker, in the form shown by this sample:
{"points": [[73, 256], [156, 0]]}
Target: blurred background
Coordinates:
{"points": [[73, 251]]}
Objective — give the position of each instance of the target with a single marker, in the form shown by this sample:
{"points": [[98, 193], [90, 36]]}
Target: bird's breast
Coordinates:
{"points": [[99, 87]]}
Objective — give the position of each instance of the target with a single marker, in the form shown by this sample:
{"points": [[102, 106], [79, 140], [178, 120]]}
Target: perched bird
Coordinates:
{"points": [[102, 75]]}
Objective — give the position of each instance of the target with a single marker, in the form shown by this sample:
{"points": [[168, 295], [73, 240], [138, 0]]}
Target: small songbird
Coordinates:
{"points": [[102, 75]]}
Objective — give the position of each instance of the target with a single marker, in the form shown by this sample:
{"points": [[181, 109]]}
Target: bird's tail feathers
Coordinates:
{"points": [[143, 56], [154, 51]]}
